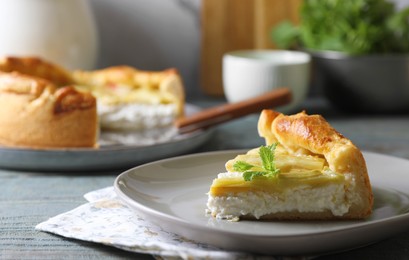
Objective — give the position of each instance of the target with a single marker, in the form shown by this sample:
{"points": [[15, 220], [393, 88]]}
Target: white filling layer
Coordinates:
{"points": [[302, 199], [136, 116]]}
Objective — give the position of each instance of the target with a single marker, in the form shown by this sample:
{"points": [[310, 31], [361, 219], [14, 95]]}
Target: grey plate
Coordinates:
{"points": [[172, 193], [109, 157]]}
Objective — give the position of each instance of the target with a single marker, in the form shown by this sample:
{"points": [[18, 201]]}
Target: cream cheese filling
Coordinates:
{"points": [[301, 198], [136, 116]]}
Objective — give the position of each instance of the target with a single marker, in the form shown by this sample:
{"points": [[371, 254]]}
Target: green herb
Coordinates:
{"points": [[350, 26], [268, 168]]}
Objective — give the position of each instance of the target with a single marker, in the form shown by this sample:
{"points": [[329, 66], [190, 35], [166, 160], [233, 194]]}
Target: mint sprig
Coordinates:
{"points": [[268, 168], [361, 27]]}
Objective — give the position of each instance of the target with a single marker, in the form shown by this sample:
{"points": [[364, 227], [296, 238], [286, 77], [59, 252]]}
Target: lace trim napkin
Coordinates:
{"points": [[107, 220]]}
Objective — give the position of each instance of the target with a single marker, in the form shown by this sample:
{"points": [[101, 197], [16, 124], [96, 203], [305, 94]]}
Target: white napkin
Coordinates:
{"points": [[107, 220]]}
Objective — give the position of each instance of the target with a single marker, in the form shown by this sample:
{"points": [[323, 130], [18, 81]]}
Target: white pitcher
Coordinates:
{"points": [[61, 31]]}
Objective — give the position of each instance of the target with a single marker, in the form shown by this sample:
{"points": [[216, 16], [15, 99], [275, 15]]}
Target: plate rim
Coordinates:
{"points": [[61, 159], [109, 147], [147, 211]]}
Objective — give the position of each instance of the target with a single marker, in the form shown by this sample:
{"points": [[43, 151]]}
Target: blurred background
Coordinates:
{"points": [[151, 35], [191, 35]]}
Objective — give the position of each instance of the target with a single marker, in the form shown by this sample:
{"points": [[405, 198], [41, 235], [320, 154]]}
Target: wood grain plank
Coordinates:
{"points": [[229, 25]]}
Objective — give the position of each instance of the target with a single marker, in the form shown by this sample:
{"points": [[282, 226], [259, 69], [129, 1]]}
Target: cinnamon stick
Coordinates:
{"points": [[226, 112]]}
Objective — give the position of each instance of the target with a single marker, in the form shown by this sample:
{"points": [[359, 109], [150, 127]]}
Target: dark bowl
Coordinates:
{"points": [[372, 83]]}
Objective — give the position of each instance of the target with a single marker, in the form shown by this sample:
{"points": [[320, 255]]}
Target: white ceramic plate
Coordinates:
{"points": [[108, 156], [172, 193]]}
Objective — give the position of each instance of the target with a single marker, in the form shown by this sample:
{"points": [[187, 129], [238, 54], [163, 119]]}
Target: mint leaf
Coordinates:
{"points": [[267, 156], [249, 175], [242, 166], [268, 168]]}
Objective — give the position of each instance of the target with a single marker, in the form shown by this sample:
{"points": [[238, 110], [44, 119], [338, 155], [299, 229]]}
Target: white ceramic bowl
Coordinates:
{"points": [[250, 73]]}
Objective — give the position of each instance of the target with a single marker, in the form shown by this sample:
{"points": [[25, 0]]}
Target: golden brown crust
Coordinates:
{"points": [[312, 134], [68, 99], [107, 76], [20, 84], [123, 75], [35, 114], [37, 67], [167, 83]]}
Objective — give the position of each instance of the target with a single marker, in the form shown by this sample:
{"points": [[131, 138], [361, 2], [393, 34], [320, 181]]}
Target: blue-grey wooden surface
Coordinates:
{"points": [[28, 198]]}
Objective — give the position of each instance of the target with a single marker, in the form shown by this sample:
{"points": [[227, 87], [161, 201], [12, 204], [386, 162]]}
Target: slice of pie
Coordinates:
{"points": [[132, 99], [307, 170]]}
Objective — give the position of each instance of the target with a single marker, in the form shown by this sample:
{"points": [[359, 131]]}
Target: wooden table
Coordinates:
{"points": [[28, 198]]}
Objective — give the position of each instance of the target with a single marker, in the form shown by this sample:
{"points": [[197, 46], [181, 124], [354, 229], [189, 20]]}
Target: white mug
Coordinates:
{"points": [[250, 73], [60, 31]]}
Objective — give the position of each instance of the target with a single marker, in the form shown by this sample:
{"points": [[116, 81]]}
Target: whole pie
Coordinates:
{"points": [[35, 113], [307, 170], [44, 105]]}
